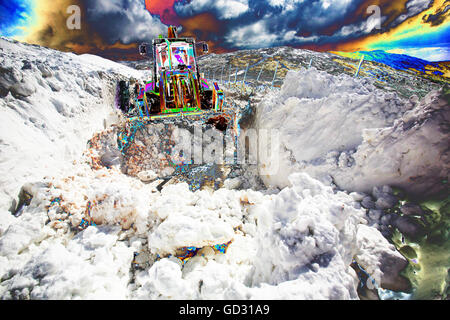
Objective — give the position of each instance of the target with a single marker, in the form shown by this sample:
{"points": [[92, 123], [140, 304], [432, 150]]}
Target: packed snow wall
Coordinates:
{"points": [[52, 103], [345, 131]]}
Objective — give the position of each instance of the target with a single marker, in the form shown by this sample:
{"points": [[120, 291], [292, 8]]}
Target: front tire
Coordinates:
{"points": [[154, 103], [206, 100]]}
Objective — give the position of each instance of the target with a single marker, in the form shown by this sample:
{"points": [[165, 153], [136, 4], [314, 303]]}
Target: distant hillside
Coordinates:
{"points": [[402, 62]]}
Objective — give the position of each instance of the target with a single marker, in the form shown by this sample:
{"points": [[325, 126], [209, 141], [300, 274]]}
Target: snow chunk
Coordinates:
{"points": [[193, 219], [147, 176]]}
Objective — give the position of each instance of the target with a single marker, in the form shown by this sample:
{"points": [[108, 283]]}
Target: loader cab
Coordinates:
{"points": [[176, 85], [174, 54]]}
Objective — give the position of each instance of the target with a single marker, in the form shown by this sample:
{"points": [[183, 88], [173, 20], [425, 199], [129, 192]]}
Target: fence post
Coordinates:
{"points": [[275, 74], [310, 63], [229, 77], [359, 66], [245, 76], [221, 75], [235, 76], [260, 72]]}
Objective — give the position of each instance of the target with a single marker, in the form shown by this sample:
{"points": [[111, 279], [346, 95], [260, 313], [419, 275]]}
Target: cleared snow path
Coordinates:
{"points": [[297, 243]]}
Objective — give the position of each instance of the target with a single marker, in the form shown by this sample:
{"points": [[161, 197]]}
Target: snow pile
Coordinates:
{"points": [[92, 265], [307, 243], [297, 244], [46, 255], [101, 199], [344, 130], [51, 104]]}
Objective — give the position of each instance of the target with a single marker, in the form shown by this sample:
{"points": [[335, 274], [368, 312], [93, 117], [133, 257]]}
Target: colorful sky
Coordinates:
{"points": [[113, 28]]}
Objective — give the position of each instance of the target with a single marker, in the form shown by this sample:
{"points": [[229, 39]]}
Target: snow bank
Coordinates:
{"points": [[411, 154], [345, 130], [46, 256], [51, 104]]}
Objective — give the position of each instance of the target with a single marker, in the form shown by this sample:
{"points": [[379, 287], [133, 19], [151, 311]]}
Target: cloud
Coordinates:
{"points": [[126, 21], [439, 17], [245, 23], [115, 26], [50, 29], [110, 28], [413, 8], [223, 9], [251, 36], [315, 24]]}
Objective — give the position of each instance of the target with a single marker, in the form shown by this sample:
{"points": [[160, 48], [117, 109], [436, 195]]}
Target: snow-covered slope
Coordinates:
{"points": [[52, 103]]}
